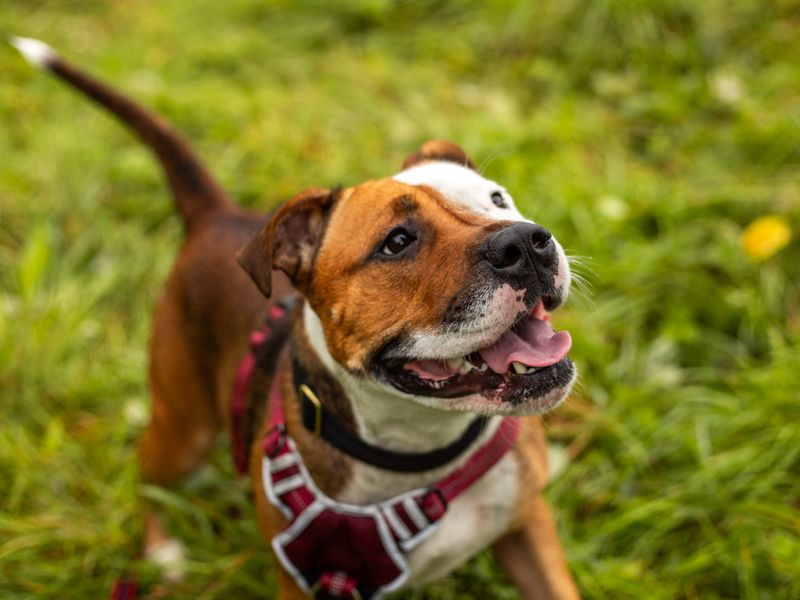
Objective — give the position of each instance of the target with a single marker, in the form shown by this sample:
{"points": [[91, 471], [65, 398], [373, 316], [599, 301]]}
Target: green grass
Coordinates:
{"points": [[647, 135]]}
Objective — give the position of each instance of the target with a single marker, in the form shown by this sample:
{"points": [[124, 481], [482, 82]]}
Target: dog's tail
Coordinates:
{"points": [[195, 190]]}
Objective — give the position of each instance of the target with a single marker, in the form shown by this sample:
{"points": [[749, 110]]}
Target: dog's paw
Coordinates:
{"points": [[169, 555]]}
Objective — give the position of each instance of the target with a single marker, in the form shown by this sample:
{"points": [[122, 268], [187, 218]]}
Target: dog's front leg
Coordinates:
{"points": [[533, 557]]}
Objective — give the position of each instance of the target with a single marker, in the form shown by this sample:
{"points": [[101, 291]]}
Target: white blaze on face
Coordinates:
{"points": [[469, 189], [463, 186]]}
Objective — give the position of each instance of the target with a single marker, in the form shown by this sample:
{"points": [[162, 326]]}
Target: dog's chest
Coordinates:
{"points": [[472, 522]]}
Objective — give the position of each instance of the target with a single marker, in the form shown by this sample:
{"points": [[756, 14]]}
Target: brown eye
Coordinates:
{"points": [[498, 200], [398, 240]]}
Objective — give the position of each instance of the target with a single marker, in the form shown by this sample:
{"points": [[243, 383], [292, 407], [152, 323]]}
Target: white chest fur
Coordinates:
{"points": [[474, 519], [472, 522]]}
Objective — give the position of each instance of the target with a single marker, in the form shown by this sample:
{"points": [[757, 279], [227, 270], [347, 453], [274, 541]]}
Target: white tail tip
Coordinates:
{"points": [[35, 52]]}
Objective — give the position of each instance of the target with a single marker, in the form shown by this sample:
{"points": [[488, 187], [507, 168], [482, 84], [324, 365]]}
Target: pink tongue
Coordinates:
{"points": [[534, 345]]}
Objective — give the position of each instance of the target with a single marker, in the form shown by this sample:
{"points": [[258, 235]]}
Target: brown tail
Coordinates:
{"points": [[195, 190]]}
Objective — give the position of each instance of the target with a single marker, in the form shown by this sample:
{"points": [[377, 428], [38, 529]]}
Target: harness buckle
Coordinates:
{"points": [[312, 397], [336, 584], [275, 440]]}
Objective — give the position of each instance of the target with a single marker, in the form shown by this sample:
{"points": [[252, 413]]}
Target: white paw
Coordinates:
{"points": [[170, 556]]}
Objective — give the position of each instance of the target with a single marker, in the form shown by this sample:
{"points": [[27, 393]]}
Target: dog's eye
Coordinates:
{"points": [[498, 200], [398, 240]]}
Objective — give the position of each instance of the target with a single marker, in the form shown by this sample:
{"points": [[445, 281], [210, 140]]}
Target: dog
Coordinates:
{"points": [[384, 437]]}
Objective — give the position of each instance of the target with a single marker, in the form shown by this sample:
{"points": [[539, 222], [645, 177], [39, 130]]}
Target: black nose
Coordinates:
{"points": [[522, 251]]}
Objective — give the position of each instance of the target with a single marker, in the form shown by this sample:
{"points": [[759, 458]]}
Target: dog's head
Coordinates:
{"points": [[430, 283]]}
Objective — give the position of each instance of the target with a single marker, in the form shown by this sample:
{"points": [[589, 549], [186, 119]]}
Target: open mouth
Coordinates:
{"points": [[527, 361]]}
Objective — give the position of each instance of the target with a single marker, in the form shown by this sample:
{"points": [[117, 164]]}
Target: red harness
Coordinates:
{"points": [[337, 550]]}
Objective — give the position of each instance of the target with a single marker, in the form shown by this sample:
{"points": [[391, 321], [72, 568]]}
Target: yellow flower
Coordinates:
{"points": [[765, 236]]}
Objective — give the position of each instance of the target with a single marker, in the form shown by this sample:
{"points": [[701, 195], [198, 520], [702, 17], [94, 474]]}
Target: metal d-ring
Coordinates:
{"points": [[308, 393]]}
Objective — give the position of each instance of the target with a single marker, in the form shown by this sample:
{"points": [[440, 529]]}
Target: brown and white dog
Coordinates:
{"points": [[424, 301]]}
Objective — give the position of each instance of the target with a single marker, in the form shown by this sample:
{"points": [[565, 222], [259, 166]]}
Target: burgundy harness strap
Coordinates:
{"points": [[335, 550], [241, 389], [480, 462], [332, 550], [124, 588]]}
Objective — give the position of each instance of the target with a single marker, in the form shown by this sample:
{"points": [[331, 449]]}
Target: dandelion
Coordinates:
{"points": [[765, 236]]}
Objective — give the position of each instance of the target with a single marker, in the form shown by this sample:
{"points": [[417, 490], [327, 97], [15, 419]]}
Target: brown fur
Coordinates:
{"points": [[531, 553], [363, 303], [439, 150], [319, 240]]}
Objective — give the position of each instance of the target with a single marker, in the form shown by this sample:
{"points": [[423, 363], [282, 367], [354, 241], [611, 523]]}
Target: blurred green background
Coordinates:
{"points": [[649, 136]]}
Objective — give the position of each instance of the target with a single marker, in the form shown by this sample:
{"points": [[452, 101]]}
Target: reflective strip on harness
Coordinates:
{"points": [[287, 485], [282, 462], [414, 513], [400, 530]]}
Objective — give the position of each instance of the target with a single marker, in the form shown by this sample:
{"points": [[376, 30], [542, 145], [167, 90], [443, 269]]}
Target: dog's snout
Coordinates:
{"points": [[506, 254], [516, 251], [541, 239]]}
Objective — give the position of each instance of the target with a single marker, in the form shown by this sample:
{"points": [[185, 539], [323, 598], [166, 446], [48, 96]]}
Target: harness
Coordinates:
{"points": [[338, 550]]}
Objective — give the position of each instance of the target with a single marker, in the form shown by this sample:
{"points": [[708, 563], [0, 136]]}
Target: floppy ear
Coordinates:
{"points": [[439, 150], [289, 241]]}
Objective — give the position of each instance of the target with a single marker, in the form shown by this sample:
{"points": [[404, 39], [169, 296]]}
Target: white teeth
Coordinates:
{"points": [[460, 364], [455, 364], [463, 366], [519, 367], [532, 369]]}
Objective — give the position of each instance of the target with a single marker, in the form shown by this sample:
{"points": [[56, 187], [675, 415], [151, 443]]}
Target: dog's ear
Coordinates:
{"points": [[439, 150], [289, 241]]}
